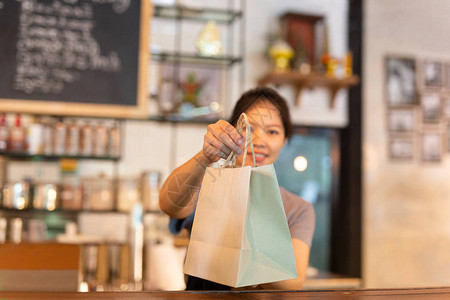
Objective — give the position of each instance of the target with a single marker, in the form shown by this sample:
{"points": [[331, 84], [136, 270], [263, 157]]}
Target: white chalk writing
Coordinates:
{"points": [[55, 44]]}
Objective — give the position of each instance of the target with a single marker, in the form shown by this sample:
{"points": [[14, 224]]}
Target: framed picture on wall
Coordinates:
{"points": [[301, 32], [401, 87], [446, 107], [401, 149], [432, 73], [447, 76], [402, 120], [191, 91], [431, 145], [448, 137], [431, 107]]}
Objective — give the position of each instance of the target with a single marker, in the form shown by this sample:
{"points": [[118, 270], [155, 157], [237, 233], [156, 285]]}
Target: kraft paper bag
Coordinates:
{"points": [[240, 235]]}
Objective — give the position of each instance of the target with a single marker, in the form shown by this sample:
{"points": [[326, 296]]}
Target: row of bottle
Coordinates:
{"points": [[50, 136], [98, 193]]}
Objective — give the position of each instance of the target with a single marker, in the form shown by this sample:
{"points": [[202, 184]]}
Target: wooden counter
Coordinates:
{"points": [[415, 293], [327, 280]]}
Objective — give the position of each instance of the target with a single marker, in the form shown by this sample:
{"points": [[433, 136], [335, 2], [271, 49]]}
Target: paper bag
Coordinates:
{"points": [[240, 235]]}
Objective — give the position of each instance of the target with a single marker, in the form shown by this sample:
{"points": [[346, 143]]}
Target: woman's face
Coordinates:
{"points": [[268, 134]]}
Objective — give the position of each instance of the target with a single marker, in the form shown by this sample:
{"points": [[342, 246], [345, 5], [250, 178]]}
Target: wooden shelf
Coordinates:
{"points": [[301, 81], [52, 157], [189, 58]]}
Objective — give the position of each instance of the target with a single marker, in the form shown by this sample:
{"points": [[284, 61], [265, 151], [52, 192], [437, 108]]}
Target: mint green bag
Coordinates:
{"points": [[240, 235]]}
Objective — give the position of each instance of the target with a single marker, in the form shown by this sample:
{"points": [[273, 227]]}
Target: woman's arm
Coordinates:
{"points": [[179, 192], [301, 254]]}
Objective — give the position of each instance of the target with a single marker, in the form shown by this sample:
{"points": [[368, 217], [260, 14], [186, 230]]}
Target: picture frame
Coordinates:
{"points": [[431, 104], [432, 74], [447, 76], [302, 32], [401, 83], [401, 149], [446, 107], [448, 137], [431, 147], [190, 91], [402, 120]]}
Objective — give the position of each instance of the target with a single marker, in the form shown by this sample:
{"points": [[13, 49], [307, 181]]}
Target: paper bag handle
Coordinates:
{"points": [[243, 120]]}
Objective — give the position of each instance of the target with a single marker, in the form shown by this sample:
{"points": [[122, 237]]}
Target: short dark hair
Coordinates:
{"points": [[251, 97]]}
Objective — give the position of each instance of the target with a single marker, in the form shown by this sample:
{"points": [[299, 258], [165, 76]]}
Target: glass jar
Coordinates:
{"points": [[150, 186], [45, 196], [127, 193], [71, 193], [98, 193], [16, 194]]}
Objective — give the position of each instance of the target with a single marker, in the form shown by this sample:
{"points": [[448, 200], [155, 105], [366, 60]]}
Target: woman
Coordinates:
{"points": [[271, 127]]}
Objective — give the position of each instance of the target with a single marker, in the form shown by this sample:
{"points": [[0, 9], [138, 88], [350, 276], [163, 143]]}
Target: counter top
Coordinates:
{"points": [[416, 293], [328, 280]]}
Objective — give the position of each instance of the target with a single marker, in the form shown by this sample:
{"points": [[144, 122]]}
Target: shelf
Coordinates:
{"points": [[58, 210], [71, 211], [194, 14], [300, 81], [195, 59], [180, 119], [39, 157]]}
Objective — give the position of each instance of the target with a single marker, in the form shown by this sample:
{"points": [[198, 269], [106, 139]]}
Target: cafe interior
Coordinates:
{"points": [[95, 116]]}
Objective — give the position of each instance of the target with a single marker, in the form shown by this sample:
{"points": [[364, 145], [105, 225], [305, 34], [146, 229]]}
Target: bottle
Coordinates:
{"points": [[59, 138], [48, 136], [114, 141], [86, 140], [100, 140], [36, 138], [4, 133], [17, 136], [72, 139]]}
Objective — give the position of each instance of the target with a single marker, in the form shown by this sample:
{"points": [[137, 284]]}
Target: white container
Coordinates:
{"points": [[3, 224], [15, 233], [36, 139]]}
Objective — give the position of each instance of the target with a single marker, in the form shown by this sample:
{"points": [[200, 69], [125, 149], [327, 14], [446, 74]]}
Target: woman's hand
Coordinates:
{"points": [[220, 139]]}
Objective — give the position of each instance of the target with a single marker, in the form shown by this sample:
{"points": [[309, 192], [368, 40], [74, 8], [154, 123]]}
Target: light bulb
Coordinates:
{"points": [[300, 163]]}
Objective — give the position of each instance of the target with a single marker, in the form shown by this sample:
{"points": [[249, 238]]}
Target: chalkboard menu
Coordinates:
{"points": [[79, 57]]}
